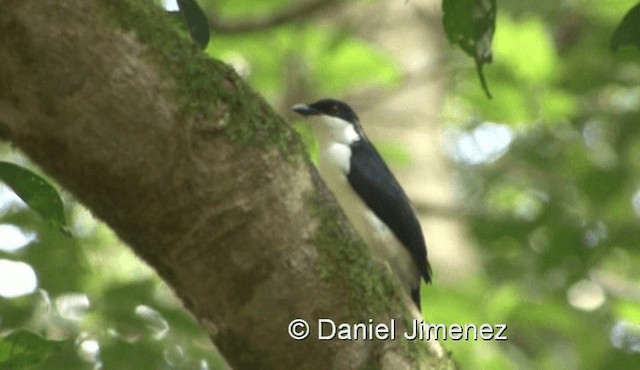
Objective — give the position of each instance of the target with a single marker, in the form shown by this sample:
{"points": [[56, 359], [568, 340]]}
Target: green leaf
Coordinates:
{"points": [[39, 195], [23, 348], [471, 24], [196, 21], [628, 31]]}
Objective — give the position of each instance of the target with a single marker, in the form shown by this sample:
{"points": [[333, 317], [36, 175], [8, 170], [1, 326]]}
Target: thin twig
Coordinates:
{"points": [[300, 11]]}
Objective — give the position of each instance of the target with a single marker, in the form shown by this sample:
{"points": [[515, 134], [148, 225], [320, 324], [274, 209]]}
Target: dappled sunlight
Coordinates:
{"points": [[174, 356], [157, 325], [635, 201], [586, 295], [485, 143], [12, 238], [72, 306], [83, 223], [625, 336], [9, 199], [89, 350], [86, 316], [16, 279]]}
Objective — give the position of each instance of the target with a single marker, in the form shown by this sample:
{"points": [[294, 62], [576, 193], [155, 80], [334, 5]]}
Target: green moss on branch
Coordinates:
{"points": [[204, 88]]}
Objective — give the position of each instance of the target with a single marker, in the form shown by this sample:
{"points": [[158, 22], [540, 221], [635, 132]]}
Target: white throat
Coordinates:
{"points": [[333, 130]]}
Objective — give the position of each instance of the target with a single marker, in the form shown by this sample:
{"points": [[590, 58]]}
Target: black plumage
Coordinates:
{"points": [[375, 184]]}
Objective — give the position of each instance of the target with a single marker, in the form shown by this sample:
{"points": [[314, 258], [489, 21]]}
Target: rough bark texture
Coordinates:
{"points": [[198, 175]]}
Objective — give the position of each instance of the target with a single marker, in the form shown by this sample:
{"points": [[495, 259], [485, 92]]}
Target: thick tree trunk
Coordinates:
{"points": [[198, 175]]}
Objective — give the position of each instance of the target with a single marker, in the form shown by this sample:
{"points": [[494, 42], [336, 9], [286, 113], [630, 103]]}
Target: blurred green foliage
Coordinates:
{"points": [[559, 223], [471, 24], [554, 215], [334, 60], [23, 348]]}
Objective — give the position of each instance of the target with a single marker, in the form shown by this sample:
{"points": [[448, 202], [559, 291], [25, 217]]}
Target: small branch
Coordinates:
{"points": [[299, 11]]}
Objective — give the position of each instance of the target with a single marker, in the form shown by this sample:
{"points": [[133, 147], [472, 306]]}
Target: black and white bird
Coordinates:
{"points": [[367, 191]]}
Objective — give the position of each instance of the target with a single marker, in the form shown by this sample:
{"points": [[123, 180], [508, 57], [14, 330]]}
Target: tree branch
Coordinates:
{"points": [[199, 176]]}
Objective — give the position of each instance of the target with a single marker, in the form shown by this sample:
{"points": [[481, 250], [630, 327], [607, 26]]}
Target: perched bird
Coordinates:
{"points": [[367, 191]]}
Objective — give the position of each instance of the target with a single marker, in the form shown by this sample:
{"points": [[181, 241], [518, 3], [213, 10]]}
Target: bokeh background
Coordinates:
{"points": [[530, 201]]}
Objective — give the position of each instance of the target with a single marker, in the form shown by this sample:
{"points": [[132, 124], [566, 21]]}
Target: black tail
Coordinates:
{"points": [[415, 296]]}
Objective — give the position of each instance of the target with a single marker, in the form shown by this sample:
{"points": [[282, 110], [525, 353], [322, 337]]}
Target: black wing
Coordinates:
{"points": [[376, 185]]}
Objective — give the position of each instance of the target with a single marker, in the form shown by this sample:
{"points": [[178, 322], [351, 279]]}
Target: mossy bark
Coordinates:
{"points": [[198, 175]]}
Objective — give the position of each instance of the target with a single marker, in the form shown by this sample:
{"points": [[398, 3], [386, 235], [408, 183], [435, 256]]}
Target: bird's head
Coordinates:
{"points": [[332, 120]]}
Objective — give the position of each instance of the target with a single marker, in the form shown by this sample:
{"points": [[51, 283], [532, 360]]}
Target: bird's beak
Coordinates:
{"points": [[304, 110]]}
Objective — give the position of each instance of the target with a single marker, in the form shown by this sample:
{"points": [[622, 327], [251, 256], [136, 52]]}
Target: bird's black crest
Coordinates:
{"points": [[335, 108]]}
